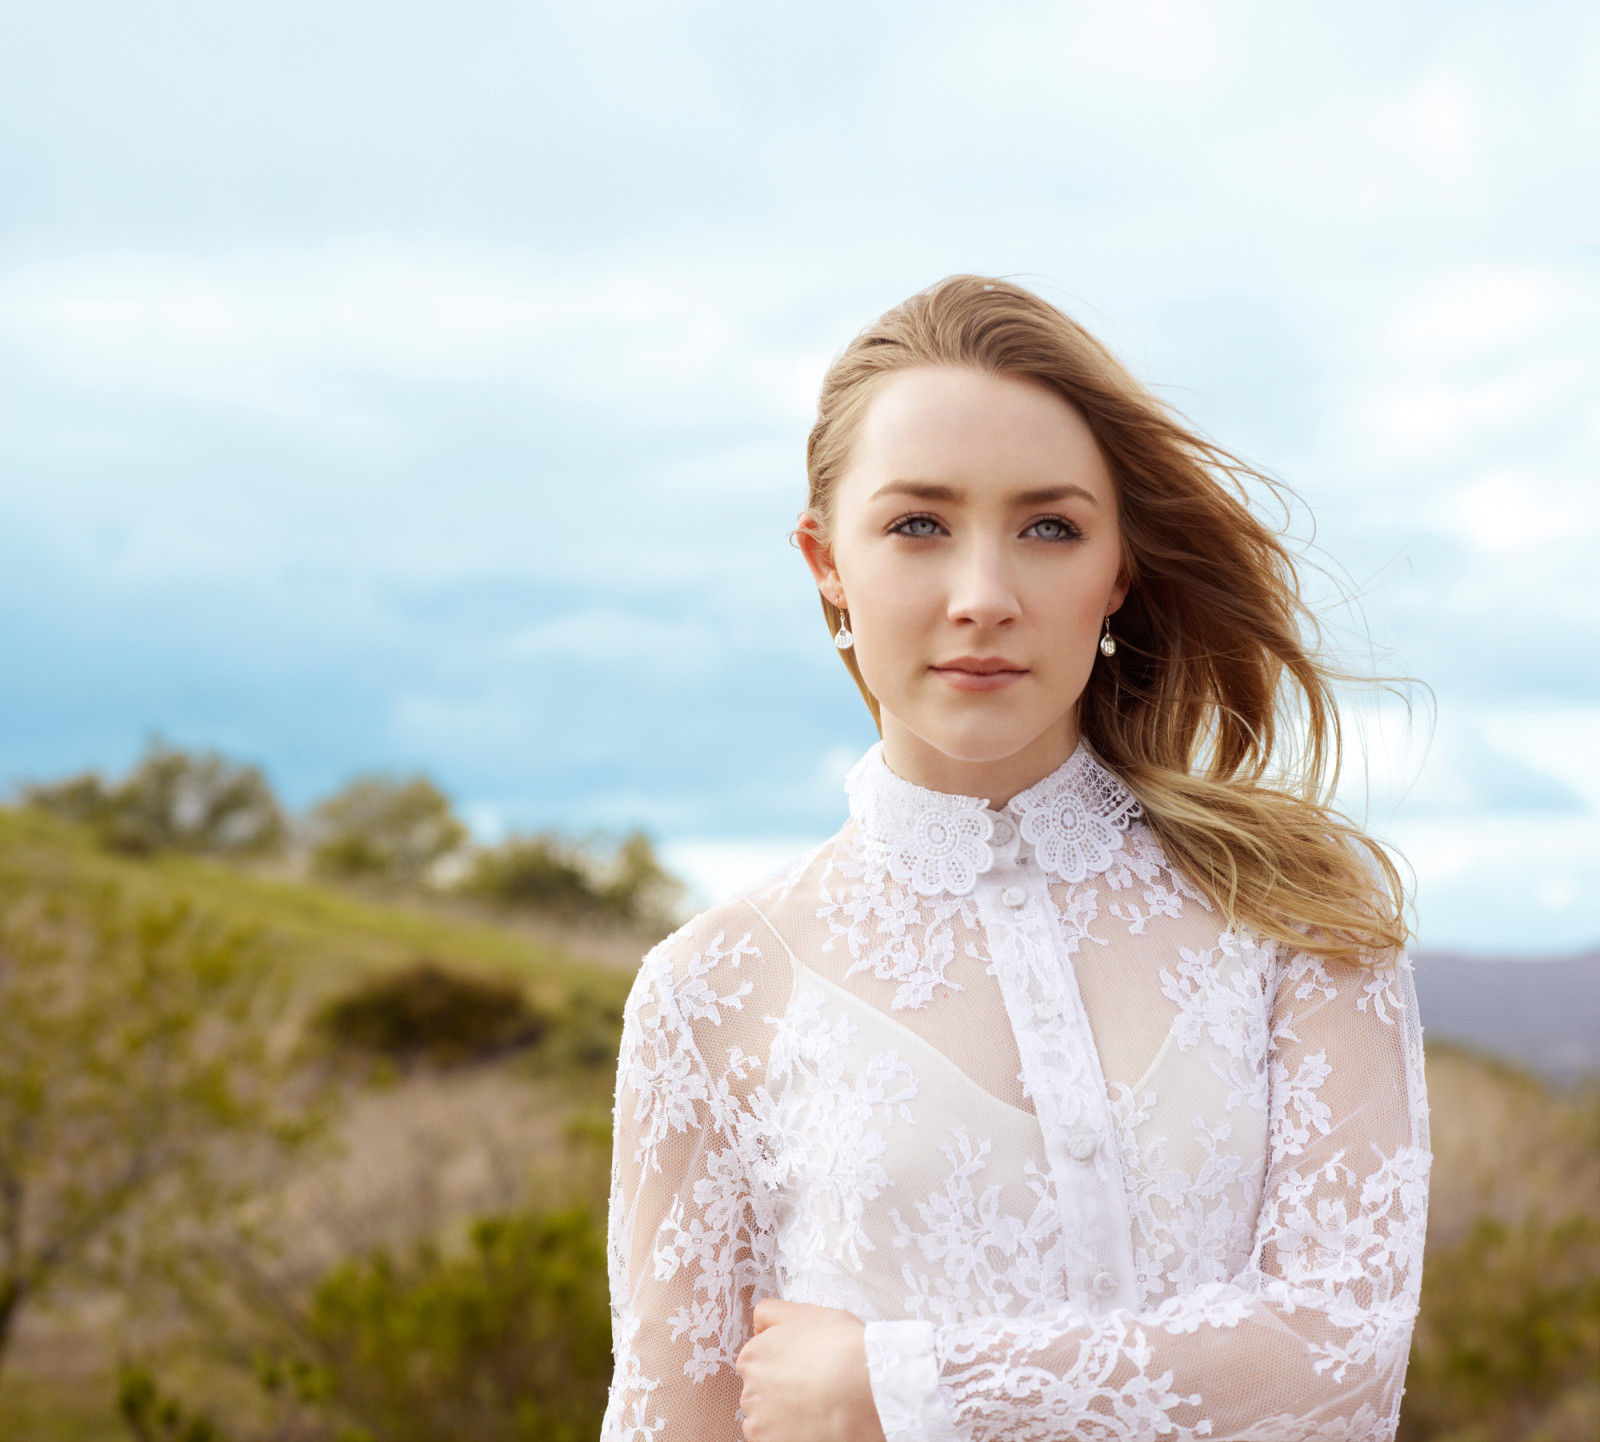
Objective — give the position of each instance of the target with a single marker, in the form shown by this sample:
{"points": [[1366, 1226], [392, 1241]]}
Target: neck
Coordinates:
{"points": [[918, 761]]}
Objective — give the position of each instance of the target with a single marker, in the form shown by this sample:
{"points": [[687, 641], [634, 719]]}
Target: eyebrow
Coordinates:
{"points": [[931, 491]]}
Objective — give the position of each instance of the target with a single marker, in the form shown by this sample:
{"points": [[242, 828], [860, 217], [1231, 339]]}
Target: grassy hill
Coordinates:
{"points": [[1510, 1339], [417, 1151]]}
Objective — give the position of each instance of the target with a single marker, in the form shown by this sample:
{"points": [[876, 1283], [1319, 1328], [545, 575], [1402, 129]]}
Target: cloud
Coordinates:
{"points": [[306, 335], [449, 412]]}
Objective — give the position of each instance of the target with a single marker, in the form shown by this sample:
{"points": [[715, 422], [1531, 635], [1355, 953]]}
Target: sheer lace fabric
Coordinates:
{"points": [[1088, 1163]]}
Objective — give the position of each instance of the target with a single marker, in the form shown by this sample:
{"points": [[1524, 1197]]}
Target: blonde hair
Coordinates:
{"points": [[1217, 711]]}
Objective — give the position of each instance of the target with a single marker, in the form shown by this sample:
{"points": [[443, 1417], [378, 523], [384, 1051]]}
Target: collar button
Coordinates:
{"points": [[1014, 896]]}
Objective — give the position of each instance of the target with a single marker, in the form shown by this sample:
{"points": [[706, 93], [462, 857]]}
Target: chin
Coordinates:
{"points": [[980, 743]]}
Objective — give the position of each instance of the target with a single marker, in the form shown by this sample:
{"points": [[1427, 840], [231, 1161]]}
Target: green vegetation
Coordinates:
{"points": [[174, 1019], [152, 1416], [428, 1013], [136, 1076], [557, 878], [510, 1341], [1507, 1348], [505, 1339], [1509, 1341], [263, 958], [384, 829], [396, 836], [173, 801]]}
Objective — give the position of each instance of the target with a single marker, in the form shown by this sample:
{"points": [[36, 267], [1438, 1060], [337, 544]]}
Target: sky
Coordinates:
{"points": [[425, 387]]}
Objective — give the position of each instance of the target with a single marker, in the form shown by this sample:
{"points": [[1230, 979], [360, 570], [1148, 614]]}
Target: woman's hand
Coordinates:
{"points": [[805, 1376]]}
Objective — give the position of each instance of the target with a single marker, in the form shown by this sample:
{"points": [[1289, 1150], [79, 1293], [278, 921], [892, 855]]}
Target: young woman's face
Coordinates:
{"points": [[974, 542]]}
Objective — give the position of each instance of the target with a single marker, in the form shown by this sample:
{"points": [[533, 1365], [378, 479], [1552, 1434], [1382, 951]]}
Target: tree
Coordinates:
{"points": [[137, 1085], [385, 828], [173, 800], [559, 878], [641, 890], [541, 873]]}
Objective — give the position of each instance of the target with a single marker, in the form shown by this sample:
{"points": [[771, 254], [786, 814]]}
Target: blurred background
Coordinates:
{"points": [[402, 414]]}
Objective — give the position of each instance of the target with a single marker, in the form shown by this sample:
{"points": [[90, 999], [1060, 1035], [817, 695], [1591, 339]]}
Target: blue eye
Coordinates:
{"points": [[917, 526], [1053, 528]]}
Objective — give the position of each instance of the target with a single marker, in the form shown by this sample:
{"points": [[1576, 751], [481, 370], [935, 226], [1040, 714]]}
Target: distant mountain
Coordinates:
{"points": [[1542, 1014]]}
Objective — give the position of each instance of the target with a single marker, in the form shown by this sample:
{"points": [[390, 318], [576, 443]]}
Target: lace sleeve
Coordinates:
{"points": [[689, 1246], [1310, 1339]]}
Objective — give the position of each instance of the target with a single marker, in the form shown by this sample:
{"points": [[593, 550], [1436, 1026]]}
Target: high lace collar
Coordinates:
{"points": [[936, 842]]}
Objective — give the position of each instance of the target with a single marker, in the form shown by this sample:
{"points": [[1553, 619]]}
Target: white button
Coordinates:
{"points": [[1082, 1145], [1104, 1284], [1014, 896]]}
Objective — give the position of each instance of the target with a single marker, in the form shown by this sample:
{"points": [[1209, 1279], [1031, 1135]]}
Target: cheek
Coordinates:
{"points": [[1070, 608], [892, 602]]}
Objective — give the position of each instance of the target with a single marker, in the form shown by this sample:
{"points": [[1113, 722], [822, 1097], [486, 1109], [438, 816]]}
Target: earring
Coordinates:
{"points": [[1108, 643], [842, 637]]}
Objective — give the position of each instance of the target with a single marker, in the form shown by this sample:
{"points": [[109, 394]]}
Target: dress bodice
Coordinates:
{"points": [[1003, 1083]]}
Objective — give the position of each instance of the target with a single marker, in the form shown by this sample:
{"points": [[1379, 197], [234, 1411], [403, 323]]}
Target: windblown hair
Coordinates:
{"points": [[1217, 711]]}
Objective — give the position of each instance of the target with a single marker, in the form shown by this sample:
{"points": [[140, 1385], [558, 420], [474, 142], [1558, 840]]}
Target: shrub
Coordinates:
{"points": [[536, 873], [173, 800], [559, 878], [510, 1341], [1508, 1343], [152, 1416], [137, 1086], [384, 828], [428, 1013]]}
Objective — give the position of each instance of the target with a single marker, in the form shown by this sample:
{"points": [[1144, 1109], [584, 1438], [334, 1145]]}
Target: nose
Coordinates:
{"points": [[983, 592]]}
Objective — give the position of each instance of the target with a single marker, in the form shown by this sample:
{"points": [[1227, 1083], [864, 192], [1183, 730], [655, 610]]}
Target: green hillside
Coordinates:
{"points": [[416, 1153]]}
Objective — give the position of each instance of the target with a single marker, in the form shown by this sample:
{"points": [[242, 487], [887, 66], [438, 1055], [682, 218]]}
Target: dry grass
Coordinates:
{"points": [[1503, 1145]]}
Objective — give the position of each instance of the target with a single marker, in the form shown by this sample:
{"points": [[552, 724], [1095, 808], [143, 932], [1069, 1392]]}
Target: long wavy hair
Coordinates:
{"points": [[1217, 711]]}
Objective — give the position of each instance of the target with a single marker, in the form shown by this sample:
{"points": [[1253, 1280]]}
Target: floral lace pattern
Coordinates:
{"points": [[936, 843], [891, 932], [1075, 817], [1197, 1212]]}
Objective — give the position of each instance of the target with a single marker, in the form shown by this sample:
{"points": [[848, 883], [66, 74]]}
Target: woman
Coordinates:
{"points": [[1074, 1089]]}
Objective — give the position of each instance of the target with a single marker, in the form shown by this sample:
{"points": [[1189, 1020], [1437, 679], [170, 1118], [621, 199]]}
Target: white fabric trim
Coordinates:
{"points": [[905, 1383]]}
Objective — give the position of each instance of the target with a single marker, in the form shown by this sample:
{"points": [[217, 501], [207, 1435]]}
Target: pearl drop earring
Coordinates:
{"points": [[1108, 644]]}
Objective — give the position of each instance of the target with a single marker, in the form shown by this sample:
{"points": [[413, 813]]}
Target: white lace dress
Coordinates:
{"points": [[1087, 1162]]}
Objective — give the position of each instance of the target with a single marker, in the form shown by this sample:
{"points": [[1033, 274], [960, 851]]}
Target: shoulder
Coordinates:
{"points": [[732, 956], [714, 943], [1357, 996]]}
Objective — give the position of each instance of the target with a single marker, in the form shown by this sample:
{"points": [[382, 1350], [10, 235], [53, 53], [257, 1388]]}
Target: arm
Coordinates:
{"points": [[690, 1252], [1309, 1341]]}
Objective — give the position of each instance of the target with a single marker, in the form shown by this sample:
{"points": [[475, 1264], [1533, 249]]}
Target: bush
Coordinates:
{"points": [[173, 801], [555, 877], [138, 1091], [1508, 1343], [385, 829], [506, 1341], [152, 1416], [510, 1341], [430, 1014]]}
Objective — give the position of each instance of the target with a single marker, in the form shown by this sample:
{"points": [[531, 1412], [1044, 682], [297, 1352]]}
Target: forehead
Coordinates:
{"points": [[968, 428]]}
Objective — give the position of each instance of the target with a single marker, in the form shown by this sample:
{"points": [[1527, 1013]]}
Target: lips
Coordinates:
{"points": [[980, 665], [980, 673]]}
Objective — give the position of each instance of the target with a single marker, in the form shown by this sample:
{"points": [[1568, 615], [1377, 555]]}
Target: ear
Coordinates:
{"points": [[808, 536], [1123, 584]]}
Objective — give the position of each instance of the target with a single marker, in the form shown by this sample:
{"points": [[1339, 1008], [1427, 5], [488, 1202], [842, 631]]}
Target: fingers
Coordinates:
{"points": [[769, 1311]]}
